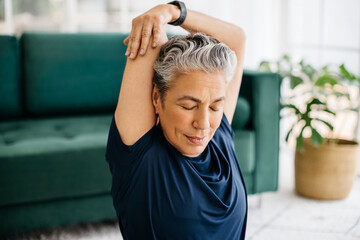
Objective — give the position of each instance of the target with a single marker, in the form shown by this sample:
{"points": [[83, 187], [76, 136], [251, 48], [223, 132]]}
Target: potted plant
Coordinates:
{"points": [[325, 164]]}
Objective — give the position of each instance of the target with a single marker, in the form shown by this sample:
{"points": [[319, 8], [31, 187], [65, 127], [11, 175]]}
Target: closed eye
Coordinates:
{"points": [[214, 109], [187, 108]]}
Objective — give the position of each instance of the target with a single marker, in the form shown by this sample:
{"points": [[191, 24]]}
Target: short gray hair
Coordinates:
{"points": [[196, 51]]}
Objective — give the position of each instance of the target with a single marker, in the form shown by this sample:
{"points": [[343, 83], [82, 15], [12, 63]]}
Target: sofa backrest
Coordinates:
{"points": [[10, 86], [67, 74], [61, 74]]}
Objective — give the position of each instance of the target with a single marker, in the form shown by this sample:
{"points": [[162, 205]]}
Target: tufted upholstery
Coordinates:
{"points": [[46, 150], [33, 136]]}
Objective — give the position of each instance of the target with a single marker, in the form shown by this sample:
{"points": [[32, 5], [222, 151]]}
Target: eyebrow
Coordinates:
{"points": [[187, 97]]}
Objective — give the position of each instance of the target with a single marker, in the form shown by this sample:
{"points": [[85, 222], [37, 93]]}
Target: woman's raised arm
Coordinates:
{"points": [[228, 33], [134, 114]]}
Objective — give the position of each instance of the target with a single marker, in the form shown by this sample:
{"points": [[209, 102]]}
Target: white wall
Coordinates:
{"points": [[324, 31]]}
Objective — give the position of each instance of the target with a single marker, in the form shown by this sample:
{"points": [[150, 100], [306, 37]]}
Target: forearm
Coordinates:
{"points": [[228, 33]]}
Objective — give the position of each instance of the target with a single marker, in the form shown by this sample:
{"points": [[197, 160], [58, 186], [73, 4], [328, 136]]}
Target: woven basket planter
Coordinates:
{"points": [[326, 172]]}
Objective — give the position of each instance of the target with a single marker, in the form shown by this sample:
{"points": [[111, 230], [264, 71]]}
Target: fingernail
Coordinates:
{"points": [[154, 44], [132, 55], [142, 51], [127, 53]]}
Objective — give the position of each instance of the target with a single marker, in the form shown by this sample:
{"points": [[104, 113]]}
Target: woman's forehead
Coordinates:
{"points": [[199, 80], [197, 93]]}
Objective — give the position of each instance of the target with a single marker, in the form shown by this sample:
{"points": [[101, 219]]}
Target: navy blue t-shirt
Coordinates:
{"points": [[160, 194]]}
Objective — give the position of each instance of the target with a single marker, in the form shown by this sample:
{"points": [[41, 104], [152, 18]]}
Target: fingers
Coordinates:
{"points": [[145, 38], [156, 33], [134, 41], [145, 31], [133, 46], [126, 41]]}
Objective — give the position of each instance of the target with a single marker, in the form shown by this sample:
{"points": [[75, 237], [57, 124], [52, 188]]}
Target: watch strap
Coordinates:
{"points": [[183, 12]]}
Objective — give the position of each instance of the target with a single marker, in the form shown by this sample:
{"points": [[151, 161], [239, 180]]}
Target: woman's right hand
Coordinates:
{"points": [[150, 24]]}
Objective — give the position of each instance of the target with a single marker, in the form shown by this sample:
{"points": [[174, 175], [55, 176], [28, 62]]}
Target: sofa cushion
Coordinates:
{"points": [[10, 102], [53, 158], [68, 74], [242, 114], [244, 141]]}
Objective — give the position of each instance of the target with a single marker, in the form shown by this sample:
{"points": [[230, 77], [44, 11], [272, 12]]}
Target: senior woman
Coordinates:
{"points": [[170, 147]]}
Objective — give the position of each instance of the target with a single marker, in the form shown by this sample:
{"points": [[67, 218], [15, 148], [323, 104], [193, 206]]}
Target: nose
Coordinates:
{"points": [[202, 120]]}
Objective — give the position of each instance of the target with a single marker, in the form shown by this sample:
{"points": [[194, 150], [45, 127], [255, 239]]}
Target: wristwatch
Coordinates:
{"points": [[183, 12]]}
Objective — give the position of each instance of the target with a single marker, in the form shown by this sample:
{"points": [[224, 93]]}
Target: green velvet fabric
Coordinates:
{"points": [[53, 158], [49, 214], [263, 92], [242, 114], [244, 141], [68, 74], [249, 182], [10, 94]]}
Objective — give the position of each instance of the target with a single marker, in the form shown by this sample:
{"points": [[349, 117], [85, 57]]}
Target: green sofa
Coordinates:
{"points": [[58, 93]]}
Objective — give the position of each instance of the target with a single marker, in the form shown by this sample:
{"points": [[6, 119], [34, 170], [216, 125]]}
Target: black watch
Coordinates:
{"points": [[183, 12]]}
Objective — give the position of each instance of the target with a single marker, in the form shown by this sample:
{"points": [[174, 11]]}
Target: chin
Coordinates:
{"points": [[194, 152]]}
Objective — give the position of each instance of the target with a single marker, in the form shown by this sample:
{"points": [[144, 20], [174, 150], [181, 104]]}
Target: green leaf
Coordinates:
{"points": [[328, 111], [291, 129], [295, 81], [354, 109], [325, 68], [351, 77], [307, 69], [316, 138], [299, 139], [286, 58], [314, 101], [299, 142], [297, 111], [322, 80], [340, 94], [326, 123], [288, 134], [265, 66]]}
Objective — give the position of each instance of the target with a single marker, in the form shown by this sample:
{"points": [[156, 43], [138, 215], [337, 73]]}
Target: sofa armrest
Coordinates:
{"points": [[263, 92]]}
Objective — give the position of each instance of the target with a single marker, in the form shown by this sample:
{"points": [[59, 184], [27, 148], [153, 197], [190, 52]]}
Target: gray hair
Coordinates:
{"points": [[196, 51]]}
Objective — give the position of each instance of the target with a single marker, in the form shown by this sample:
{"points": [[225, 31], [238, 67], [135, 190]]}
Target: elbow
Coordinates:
{"points": [[240, 35], [240, 39]]}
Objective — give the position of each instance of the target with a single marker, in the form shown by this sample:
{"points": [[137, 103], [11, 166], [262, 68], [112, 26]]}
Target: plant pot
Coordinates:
{"points": [[326, 172]]}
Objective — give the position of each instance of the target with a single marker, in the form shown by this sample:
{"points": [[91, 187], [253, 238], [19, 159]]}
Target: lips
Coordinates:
{"points": [[196, 140]]}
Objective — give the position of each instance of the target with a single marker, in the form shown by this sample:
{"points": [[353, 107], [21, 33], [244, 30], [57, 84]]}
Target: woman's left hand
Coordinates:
{"points": [[150, 24]]}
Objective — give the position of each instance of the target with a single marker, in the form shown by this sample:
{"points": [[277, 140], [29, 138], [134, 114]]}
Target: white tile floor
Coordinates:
{"points": [[286, 215], [273, 215]]}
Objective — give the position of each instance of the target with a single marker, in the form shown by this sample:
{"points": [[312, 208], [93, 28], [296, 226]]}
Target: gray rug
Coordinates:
{"points": [[107, 229]]}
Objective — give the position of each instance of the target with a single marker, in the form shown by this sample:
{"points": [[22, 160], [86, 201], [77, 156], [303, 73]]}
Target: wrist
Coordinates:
{"points": [[174, 11]]}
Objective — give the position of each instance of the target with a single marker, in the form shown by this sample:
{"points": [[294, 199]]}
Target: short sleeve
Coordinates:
{"points": [[117, 152]]}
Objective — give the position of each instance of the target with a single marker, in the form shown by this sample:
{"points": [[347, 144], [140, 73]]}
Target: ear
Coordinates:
{"points": [[156, 99]]}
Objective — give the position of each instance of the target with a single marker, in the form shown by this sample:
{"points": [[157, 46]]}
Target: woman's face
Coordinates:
{"points": [[192, 110]]}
